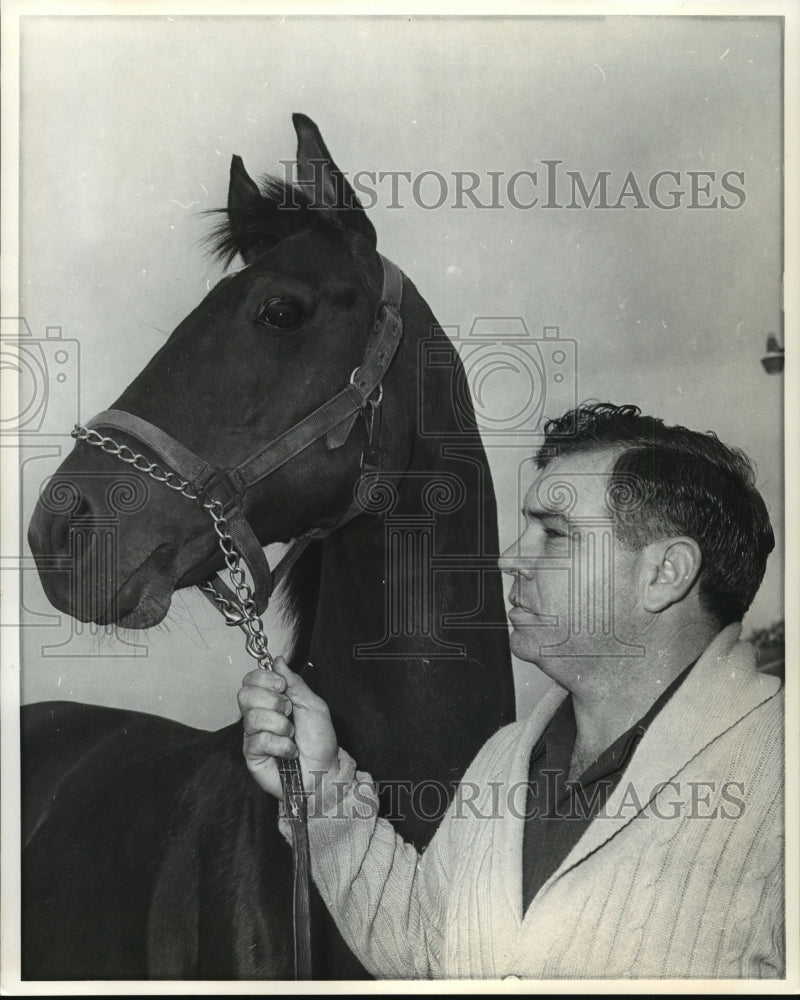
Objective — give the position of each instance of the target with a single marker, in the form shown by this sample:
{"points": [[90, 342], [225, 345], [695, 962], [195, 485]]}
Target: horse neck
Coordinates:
{"points": [[413, 698]]}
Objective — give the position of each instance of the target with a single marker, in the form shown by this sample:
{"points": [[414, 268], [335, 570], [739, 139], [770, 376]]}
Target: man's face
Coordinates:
{"points": [[576, 591]]}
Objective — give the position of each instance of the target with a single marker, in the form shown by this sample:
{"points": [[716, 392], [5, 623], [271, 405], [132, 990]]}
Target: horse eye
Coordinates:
{"points": [[284, 314]]}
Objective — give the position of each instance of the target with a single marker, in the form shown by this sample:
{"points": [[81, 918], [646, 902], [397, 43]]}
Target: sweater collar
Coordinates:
{"points": [[722, 688]]}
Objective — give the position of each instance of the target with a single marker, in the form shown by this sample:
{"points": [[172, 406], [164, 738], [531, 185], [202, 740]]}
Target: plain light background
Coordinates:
{"points": [[127, 128]]}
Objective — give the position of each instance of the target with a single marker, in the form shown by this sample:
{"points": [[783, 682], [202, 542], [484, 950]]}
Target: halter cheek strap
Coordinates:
{"points": [[333, 420]]}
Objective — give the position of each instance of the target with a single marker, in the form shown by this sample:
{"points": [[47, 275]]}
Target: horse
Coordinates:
{"points": [[149, 852]]}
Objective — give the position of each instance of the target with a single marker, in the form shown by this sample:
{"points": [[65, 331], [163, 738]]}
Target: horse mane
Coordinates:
{"points": [[282, 210], [299, 597]]}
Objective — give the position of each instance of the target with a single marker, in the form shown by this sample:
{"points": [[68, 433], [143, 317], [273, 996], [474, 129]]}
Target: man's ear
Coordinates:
{"points": [[672, 567]]}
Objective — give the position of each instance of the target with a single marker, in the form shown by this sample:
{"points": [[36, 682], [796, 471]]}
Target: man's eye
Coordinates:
{"points": [[283, 314], [557, 541]]}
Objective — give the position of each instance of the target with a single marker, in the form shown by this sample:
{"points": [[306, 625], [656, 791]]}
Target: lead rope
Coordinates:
{"points": [[245, 614], [295, 798]]}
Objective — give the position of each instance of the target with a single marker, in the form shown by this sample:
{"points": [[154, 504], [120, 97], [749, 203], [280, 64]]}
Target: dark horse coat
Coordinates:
{"points": [[149, 852]]}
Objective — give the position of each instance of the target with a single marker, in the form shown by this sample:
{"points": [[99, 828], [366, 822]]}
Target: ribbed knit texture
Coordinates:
{"points": [[680, 880]]}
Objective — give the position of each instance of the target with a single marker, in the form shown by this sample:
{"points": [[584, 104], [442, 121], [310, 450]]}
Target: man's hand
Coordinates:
{"points": [[266, 700]]}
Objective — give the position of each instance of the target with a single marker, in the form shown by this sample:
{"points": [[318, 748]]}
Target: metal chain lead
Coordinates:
{"points": [[250, 620], [244, 613]]}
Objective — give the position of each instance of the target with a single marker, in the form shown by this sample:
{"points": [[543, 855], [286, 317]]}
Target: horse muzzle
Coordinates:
{"points": [[97, 565]]}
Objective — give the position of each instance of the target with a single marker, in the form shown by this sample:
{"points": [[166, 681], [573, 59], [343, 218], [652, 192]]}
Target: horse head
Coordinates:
{"points": [[268, 345]]}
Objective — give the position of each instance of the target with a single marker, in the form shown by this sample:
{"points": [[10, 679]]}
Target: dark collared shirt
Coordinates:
{"points": [[559, 811]]}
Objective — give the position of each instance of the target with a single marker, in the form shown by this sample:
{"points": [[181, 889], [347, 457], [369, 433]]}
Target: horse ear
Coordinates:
{"points": [[243, 192], [324, 183], [244, 200]]}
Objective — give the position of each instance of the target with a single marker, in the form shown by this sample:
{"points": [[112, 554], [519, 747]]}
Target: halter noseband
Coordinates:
{"points": [[334, 420]]}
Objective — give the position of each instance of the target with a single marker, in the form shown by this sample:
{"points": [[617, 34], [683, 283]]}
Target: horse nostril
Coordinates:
{"points": [[58, 522]]}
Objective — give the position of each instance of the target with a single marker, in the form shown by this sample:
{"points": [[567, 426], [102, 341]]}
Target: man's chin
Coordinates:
{"points": [[525, 644], [535, 643]]}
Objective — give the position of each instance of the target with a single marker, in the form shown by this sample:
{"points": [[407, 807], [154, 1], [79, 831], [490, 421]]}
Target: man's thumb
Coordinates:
{"points": [[297, 690]]}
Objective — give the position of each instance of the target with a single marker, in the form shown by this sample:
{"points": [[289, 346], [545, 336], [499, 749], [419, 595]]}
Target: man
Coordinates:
{"points": [[632, 825]]}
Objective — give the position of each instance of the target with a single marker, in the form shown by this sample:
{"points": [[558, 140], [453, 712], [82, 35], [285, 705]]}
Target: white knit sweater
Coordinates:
{"points": [[676, 880]]}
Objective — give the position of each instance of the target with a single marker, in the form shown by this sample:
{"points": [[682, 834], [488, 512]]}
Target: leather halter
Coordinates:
{"points": [[333, 420]]}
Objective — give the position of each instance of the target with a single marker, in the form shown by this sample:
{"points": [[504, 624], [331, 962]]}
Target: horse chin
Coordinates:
{"points": [[197, 575], [149, 612], [275, 549], [143, 601]]}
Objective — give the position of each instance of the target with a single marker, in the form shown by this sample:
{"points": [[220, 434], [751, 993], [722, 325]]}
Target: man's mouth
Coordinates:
{"points": [[518, 606]]}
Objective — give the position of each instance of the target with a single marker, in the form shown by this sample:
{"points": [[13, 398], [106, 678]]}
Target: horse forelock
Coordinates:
{"points": [[284, 209]]}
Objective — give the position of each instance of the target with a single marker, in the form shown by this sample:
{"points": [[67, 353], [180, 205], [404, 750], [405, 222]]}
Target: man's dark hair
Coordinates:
{"points": [[671, 481]]}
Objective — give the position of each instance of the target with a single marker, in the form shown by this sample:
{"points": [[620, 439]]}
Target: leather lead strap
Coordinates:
{"points": [[295, 807]]}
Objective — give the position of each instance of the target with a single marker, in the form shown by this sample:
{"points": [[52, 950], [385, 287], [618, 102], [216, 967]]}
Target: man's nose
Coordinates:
{"points": [[514, 561]]}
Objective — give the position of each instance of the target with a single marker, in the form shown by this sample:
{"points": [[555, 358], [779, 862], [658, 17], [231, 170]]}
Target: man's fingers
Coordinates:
{"points": [[264, 678], [281, 679], [264, 744], [257, 720], [257, 697], [272, 704], [296, 688]]}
